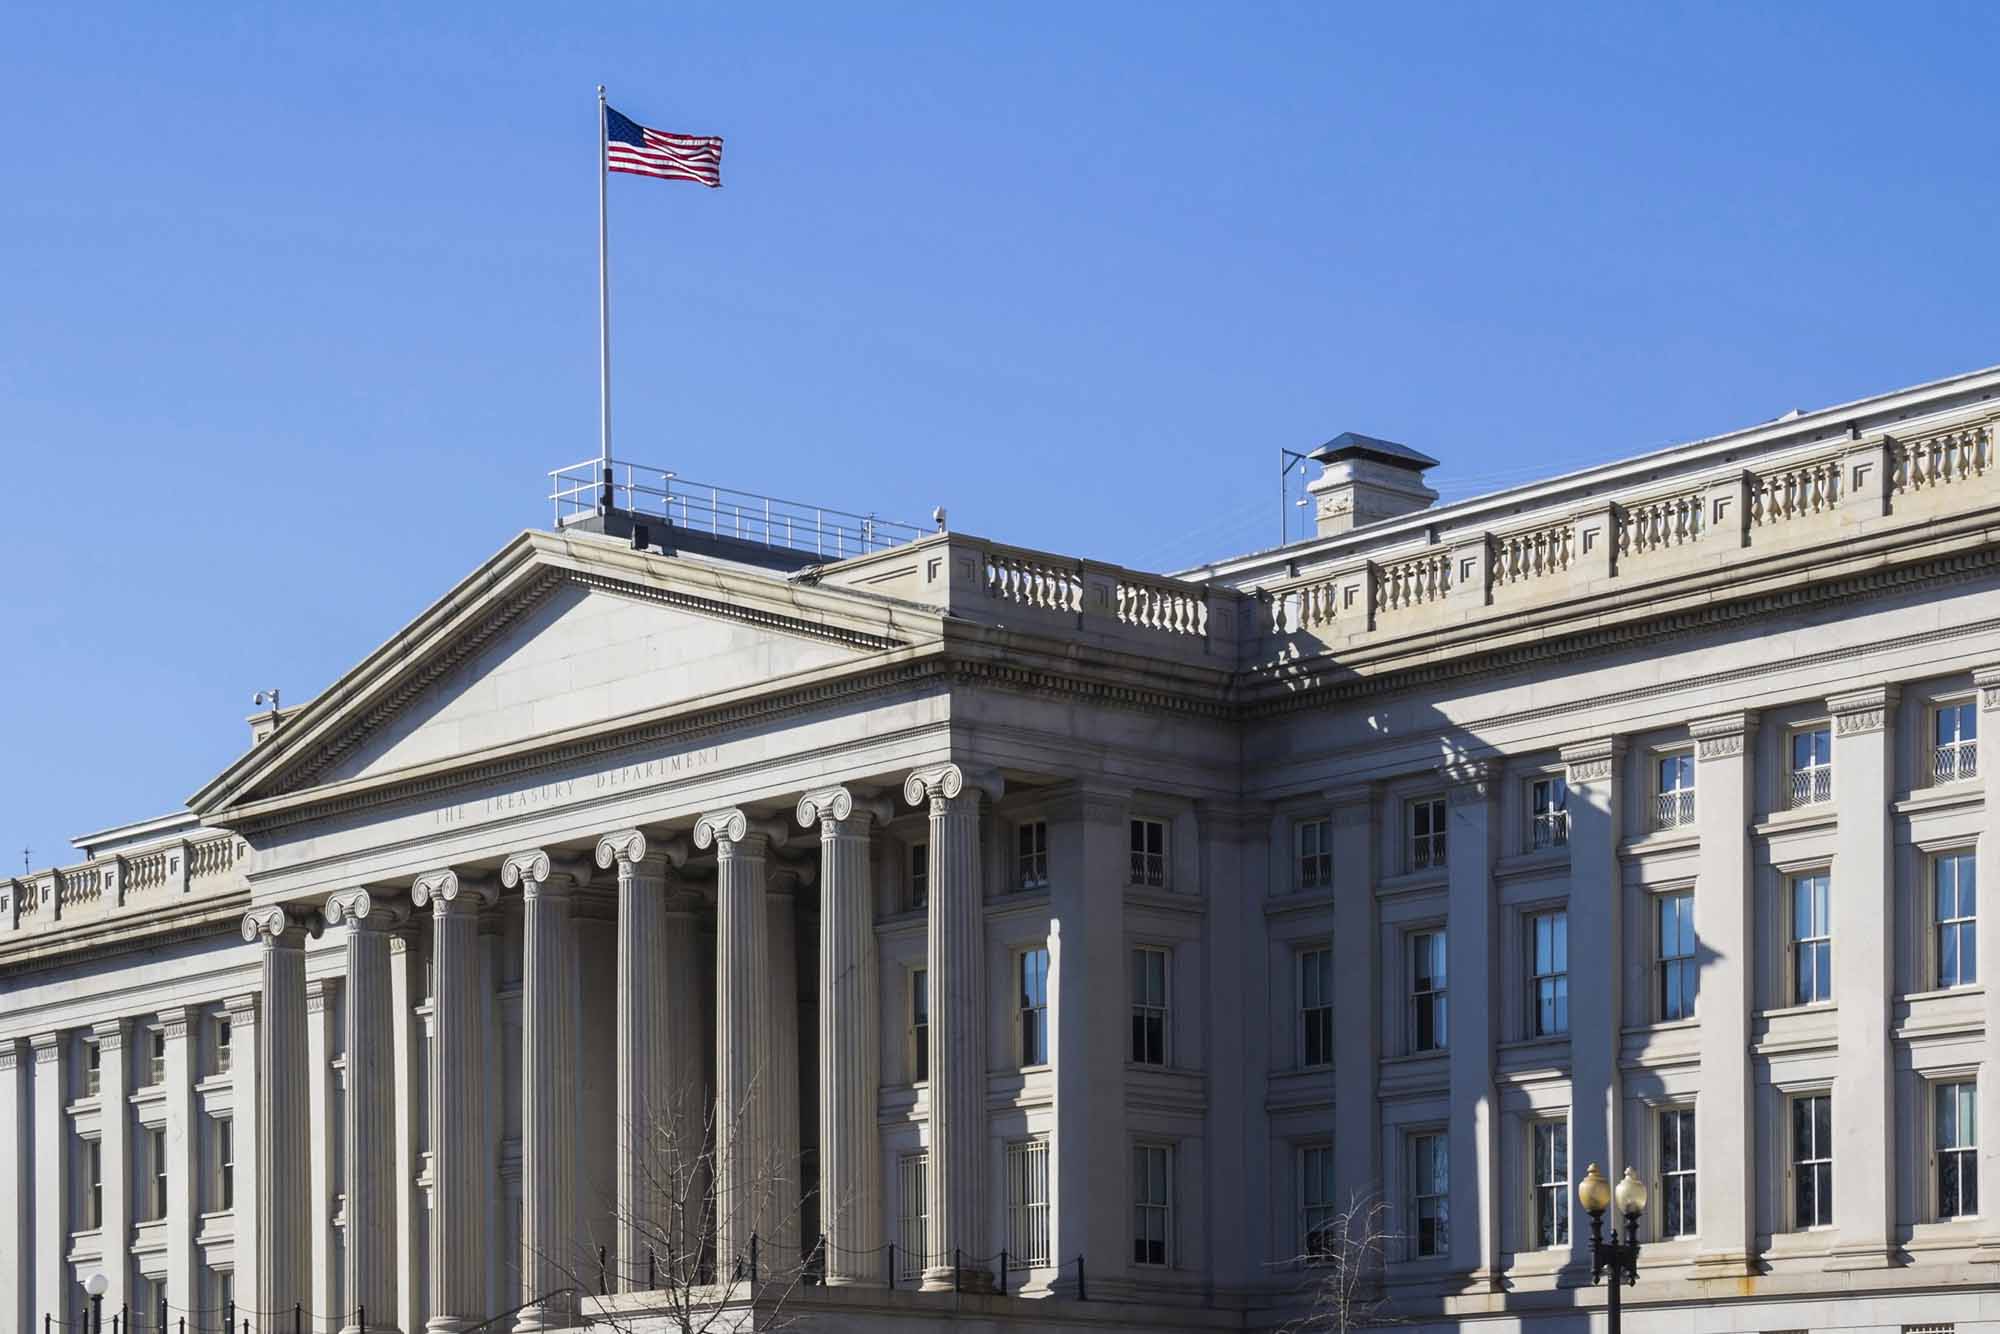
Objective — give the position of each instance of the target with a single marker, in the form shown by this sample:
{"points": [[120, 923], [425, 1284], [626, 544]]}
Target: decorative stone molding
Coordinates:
{"points": [[279, 926], [48, 1047], [356, 907], [720, 829], [242, 1010], [174, 1022], [830, 803], [1861, 711], [946, 782], [1722, 736], [627, 845], [439, 890], [10, 1054], [1592, 761], [1988, 681], [110, 1035]]}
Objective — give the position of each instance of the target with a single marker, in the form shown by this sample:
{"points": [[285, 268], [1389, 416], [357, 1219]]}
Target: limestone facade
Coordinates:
{"points": [[996, 935]]}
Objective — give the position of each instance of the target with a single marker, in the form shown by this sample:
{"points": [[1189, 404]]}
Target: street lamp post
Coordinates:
{"points": [[1621, 1258], [96, 1285]]}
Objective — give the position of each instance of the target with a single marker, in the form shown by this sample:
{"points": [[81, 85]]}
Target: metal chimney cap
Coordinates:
{"points": [[1354, 445]]}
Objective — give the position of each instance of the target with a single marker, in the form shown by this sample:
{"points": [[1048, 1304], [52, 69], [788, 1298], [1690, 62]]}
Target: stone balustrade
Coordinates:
{"points": [[113, 885]]}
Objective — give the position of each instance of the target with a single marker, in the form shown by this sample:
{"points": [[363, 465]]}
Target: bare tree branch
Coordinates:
{"points": [[1344, 1261]]}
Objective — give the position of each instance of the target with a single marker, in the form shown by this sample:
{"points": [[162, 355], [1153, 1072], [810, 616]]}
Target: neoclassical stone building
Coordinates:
{"points": [[962, 916]]}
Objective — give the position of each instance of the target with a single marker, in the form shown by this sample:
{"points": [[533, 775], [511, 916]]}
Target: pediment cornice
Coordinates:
{"points": [[291, 766]]}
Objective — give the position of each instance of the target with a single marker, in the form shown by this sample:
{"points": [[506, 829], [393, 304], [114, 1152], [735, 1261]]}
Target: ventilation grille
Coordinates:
{"points": [[1943, 1327]]}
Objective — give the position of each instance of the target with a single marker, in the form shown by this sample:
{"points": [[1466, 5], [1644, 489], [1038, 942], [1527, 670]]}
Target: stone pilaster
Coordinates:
{"points": [[51, 1173], [1864, 1177], [284, 1110], [550, 1248], [743, 1157], [413, 1098], [1089, 1027], [1986, 872], [177, 1024], [246, 1059], [850, 1058], [647, 1155], [115, 1153], [1596, 957], [17, 1065], [460, 1178], [1725, 932], [783, 1243], [370, 919], [321, 1081], [1470, 1031], [957, 1029], [1357, 990]]}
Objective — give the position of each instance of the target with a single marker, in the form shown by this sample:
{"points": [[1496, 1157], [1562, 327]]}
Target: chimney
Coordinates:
{"points": [[263, 725], [1364, 480]]}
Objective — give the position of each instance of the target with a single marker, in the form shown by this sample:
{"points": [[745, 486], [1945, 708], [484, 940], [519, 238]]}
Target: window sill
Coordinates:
{"points": [[1412, 882], [1673, 839], [1415, 1057], [1660, 1027], [1529, 861], [1799, 1011], [1944, 993], [1793, 819], [1299, 901]]}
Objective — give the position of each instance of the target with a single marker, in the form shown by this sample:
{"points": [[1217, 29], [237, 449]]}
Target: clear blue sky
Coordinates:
{"points": [[297, 309]]}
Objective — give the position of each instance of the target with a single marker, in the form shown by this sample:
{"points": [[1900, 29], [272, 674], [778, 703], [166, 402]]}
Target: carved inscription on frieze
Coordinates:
{"points": [[564, 790]]}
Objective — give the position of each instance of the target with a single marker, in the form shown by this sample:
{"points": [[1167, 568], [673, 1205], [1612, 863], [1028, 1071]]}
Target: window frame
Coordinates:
{"points": [[1673, 807], [1029, 1009], [1428, 850], [918, 1035], [1027, 1164], [1549, 1188], [222, 1038], [1149, 866], [1963, 766], [1821, 1159], [1810, 784], [1680, 1181], [1435, 997], [90, 1199], [1809, 958], [1967, 1152], [1314, 1006], [1439, 1194], [913, 1185], [1144, 1206], [159, 1194], [1683, 968], [1316, 1199], [1964, 927], [917, 878], [1148, 1013], [222, 1132], [1312, 868], [1031, 856], [1548, 818], [1557, 977]]}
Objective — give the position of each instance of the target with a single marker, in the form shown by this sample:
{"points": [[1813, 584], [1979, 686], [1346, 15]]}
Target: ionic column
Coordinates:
{"points": [[646, 1167], [850, 1056], [1470, 1026], [1986, 877], [1864, 932], [549, 1244], [16, 1153], [115, 1122], [284, 1112], [458, 1175], [1596, 974], [51, 1171], [1725, 927], [957, 1029], [781, 951], [743, 1159], [370, 1106]]}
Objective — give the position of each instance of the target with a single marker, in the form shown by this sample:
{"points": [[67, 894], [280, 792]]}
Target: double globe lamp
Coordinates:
{"points": [[1621, 1258]]}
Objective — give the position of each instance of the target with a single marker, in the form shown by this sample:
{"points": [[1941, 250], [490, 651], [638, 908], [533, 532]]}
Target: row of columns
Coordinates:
{"points": [[666, 1129]]}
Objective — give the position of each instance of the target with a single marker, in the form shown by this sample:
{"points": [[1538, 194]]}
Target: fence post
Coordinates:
{"points": [[892, 1270], [298, 1318], [1003, 1271], [601, 1281], [652, 1269], [753, 1259], [957, 1258], [1082, 1293], [229, 1317]]}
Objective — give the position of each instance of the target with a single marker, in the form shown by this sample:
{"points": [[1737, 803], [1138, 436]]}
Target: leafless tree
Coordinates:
{"points": [[1344, 1268]]}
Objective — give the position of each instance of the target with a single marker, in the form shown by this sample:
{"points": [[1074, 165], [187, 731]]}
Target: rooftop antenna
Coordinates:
{"points": [[1288, 459], [263, 697], [26, 866]]}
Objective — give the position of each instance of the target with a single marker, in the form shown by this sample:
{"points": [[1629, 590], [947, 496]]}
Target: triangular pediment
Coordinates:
{"points": [[556, 637]]}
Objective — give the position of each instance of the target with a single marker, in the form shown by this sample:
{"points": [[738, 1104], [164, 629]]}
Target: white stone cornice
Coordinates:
{"points": [[10, 1054], [279, 926], [363, 909], [440, 889], [1594, 760], [1723, 735], [1858, 711], [48, 1046], [242, 1009], [110, 1035], [721, 828], [174, 1021]]}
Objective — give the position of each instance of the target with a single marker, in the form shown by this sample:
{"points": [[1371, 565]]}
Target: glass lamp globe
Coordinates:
{"points": [[1593, 1192], [97, 1284], [1631, 1194]]}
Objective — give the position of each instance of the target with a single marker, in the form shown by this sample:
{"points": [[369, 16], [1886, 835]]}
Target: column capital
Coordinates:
{"points": [[537, 872], [243, 1010], [1594, 760], [48, 1046], [174, 1021], [110, 1034], [318, 989], [10, 1054], [628, 847], [279, 927], [441, 891], [1858, 711], [733, 833], [944, 782], [830, 806], [1988, 681], [365, 910], [1722, 736]]}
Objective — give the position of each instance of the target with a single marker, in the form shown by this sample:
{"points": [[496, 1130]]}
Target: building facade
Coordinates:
{"points": [[1000, 936]]}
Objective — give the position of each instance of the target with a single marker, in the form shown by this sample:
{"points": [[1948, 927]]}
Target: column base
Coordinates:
{"points": [[1987, 1252], [965, 1279], [1873, 1255], [854, 1281], [1726, 1264]]}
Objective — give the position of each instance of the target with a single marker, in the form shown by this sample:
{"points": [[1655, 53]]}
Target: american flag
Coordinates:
{"points": [[630, 146]]}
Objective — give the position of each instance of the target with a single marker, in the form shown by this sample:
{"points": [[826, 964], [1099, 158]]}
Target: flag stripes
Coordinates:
{"points": [[631, 147]]}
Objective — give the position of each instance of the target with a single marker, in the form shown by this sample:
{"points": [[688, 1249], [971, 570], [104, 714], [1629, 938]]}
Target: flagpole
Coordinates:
{"points": [[603, 309]]}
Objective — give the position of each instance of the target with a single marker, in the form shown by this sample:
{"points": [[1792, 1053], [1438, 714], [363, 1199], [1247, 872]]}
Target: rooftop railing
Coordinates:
{"points": [[582, 489]]}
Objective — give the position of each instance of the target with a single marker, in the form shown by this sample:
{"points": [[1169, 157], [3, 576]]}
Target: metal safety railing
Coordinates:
{"points": [[584, 489]]}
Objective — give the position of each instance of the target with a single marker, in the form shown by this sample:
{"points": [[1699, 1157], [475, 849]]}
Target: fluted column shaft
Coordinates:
{"points": [[850, 1058], [646, 1147], [782, 959], [370, 1110], [742, 1029], [685, 1163], [458, 1179], [548, 1092], [957, 1028], [284, 1111]]}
